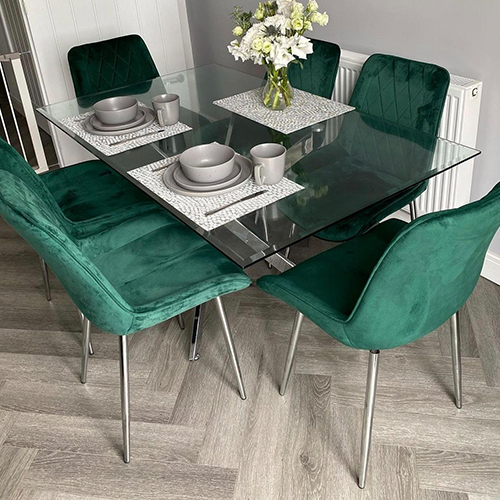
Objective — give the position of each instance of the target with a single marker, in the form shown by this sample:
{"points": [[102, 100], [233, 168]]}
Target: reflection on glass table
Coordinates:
{"points": [[346, 164]]}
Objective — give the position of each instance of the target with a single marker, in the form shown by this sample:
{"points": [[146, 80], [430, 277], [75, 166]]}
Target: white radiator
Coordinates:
{"points": [[459, 124]]}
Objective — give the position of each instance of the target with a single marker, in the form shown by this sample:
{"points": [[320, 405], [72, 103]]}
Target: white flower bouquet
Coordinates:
{"points": [[273, 36]]}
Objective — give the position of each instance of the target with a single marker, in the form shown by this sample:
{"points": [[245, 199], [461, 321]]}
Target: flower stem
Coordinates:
{"points": [[278, 90]]}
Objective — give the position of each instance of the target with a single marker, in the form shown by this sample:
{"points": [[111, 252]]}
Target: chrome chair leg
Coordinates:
{"points": [[82, 319], [85, 349], [371, 387], [230, 346], [194, 355], [456, 357], [180, 320], [413, 210], [297, 325], [125, 397], [46, 282]]}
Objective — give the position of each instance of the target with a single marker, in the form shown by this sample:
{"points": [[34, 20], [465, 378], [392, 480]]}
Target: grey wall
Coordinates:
{"points": [[461, 35]]}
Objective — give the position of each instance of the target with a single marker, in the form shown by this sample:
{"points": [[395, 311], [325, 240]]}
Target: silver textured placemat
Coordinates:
{"points": [[306, 110], [195, 208], [102, 142]]}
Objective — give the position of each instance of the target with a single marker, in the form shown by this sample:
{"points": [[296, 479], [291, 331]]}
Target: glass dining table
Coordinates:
{"points": [[346, 164]]}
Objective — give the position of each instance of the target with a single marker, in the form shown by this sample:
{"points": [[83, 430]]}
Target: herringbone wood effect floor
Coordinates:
{"points": [[192, 436]]}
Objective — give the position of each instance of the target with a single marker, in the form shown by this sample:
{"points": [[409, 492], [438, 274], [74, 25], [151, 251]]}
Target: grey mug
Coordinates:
{"points": [[167, 107], [268, 162]]}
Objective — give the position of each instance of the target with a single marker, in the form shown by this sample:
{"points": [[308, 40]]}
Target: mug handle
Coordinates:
{"points": [[259, 179], [159, 115]]}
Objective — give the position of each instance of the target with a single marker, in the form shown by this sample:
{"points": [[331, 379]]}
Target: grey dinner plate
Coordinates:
{"points": [[98, 125], [246, 174], [181, 179], [150, 118]]}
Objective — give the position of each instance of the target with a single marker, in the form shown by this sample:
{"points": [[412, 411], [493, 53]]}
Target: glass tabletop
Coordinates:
{"points": [[346, 164]]}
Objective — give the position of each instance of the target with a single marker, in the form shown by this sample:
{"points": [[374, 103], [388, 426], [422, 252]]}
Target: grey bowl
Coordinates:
{"points": [[116, 110], [207, 163]]}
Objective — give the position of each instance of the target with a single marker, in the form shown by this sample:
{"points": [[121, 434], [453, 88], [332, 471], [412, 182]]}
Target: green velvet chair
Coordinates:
{"points": [[105, 66], [318, 72], [409, 94], [391, 286], [110, 64], [91, 196], [125, 278]]}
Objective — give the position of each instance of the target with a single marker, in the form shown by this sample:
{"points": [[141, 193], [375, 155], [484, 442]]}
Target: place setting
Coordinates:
{"points": [[212, 184], [117, 124]]}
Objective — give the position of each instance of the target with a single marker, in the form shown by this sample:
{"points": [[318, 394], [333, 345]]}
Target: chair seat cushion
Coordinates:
{"points": [[362, 221], [92, 193], [160, 267], [327, 287]]}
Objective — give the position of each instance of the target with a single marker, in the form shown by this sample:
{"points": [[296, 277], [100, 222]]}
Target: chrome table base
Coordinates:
{"points": [[194, 355]]}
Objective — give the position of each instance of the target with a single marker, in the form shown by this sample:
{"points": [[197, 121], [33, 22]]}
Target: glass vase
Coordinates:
{"points": [[277, 93]]}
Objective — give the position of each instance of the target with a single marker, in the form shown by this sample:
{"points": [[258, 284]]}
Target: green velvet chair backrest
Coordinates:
{"points": [[37, 218], [409, 93], [110, 64], [319, 71], [426, 275]]}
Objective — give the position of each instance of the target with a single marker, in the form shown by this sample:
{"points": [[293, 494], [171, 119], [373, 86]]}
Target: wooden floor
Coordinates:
{"points": [[192, 436]]}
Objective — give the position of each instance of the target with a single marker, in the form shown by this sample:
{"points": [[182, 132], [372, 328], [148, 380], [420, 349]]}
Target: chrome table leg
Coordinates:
{"points": [[456, 358], [230, 345], [46, 282], [230, 128], [290, 234], [196, 333], [297, 325], [125, 397], [371, 387], [85, 349]]}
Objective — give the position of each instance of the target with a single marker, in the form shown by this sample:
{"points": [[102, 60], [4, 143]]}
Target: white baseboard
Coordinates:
{"points": [[491, 268]]}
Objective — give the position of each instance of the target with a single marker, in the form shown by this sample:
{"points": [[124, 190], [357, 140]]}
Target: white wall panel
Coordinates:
{"points": [[63, 29], [85, 21], [177, 60], [153, 33], [106, 14]]}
